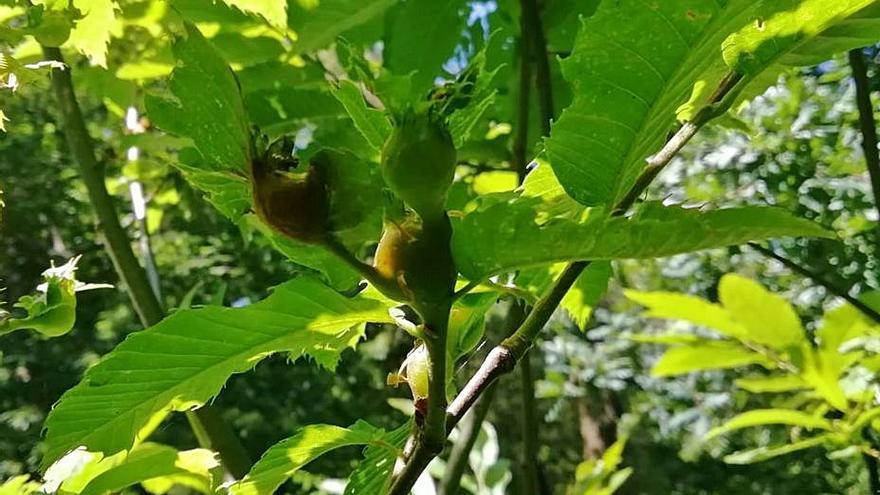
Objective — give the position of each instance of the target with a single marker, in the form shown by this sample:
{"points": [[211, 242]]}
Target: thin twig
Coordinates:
{"points": [[819, 279], [206, 421]]}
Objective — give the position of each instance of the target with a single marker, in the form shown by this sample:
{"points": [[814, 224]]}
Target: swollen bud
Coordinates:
{"points": [[417, 259], [417, 372], [418, 162], [295, 204]]}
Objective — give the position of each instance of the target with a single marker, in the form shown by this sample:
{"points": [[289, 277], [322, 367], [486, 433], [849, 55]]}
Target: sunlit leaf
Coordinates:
{"points": [[317, 26], [146, 461], [771, 384], [761, 417], [91, 33], [504, 235], [310, 442], [184, 361], [768, 318], [274, 11], [763, 453], [372, 476], [705, 356]]}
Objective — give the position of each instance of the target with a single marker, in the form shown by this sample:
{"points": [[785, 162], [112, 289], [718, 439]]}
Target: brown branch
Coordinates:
{"points": [[206, 422]]}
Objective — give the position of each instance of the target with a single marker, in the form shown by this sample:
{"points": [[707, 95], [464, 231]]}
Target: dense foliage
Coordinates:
{"points": [[260, 246]]}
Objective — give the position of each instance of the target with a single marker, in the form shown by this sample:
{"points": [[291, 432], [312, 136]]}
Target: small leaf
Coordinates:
{"points": [[19, 485], [586, 292], [772, 384], [768, 318], [372, 476], [466, 322], [274, 11], [760, 417], [145, 462], [674, 306], [763, 453], [91, 33], [371, 123], [822, 368], [707, 356]]}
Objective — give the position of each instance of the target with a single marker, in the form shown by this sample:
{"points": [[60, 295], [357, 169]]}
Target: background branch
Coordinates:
{"points": [[531, 28], [467, 438], [819, 279], [206, 422], [867, 124]]}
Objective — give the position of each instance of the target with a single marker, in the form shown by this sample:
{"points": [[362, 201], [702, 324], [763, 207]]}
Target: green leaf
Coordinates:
{"points": [[675, 306], [628, 78], [91, 33], [145, 462], [205, 106], [310, 442], [370, 122], [780, 26], [466, 322], [861, 28], [705, 356], [230, 193], [183, 361], [338, 274], [274, 11], [586, 292], [771, 384], [502, 236], [772, 36], [865, 418], [768, 318], [763, 453], [372, 476], [422, 37], [761, 417], [822, 369], [471, 95], [19, 485], [316, 27], [668, 339]]}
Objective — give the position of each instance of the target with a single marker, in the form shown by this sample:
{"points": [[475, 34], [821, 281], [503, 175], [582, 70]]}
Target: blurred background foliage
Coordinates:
{"points": [[797, 146]]}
